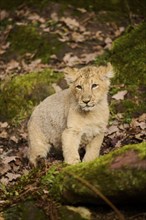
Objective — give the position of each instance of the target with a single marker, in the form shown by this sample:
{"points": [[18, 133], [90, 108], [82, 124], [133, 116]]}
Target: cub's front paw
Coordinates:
{"points": [[72, 161]]}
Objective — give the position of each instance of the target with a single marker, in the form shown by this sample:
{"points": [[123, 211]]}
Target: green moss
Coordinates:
{"points": [[53, 171], [62, 185], [26, 39], [11, 5], [99, 173], [104, 58], [111, 10], [128, 56], [22, 93], [117, 7], [24, 210], [128, 59]]}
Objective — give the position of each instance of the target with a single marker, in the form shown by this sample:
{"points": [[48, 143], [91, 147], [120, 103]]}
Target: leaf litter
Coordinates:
{"points": [[86, 39]]}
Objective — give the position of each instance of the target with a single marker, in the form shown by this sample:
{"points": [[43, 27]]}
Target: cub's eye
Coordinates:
{"points": [[79, 87], [95, 86]]}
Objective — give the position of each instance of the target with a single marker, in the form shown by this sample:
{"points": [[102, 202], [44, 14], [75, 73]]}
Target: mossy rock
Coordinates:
{"points": [[119, 175], [24, 210], [128, 59], [28, 39], [30, 210], [20, 94]]}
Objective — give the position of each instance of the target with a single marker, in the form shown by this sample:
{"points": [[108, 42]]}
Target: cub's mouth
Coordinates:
{"points": [[87, 107]]}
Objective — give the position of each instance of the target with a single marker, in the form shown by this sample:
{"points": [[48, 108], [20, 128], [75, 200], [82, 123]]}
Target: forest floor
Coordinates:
{"points": [[81, 36]]}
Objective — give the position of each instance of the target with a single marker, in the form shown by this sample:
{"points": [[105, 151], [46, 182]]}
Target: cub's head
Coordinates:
{"points": [[89, 84]]}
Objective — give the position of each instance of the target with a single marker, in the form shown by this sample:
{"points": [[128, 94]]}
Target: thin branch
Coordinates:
{"points": [[98, 193]]}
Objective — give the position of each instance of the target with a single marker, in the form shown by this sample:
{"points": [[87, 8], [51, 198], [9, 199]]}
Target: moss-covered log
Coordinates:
{"points": [[120, 176], [19, 95]]}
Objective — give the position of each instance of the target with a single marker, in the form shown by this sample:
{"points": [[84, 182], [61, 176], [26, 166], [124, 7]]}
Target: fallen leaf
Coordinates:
{"points": [[4, 180], [112, 129], [4, 47], [108, 40], [3, 14], [35, 17], [139, 137], [8, 159], [46, 29], [142, 125], [120, 95], [12, 65], [4, 124], [119, 31], [12, 176], [13, 138], [4, 169], [54, 17], [4, 134], [77, 37], [142, 117], [71, 23], [134, 123], [71, 60], [82, 10], [87, 58]]}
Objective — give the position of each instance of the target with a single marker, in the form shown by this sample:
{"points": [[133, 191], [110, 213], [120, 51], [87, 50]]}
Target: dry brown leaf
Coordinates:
{"points": [[134, 123], [13, 64], [112, 129], [108, 40], [142, 125], [71, 60], [4, 134], [3, 14], [120, 95], [35, 65], [77, 37], [87, 58], [46, 29], [119, 31], [5, 168], [142, 117], [71, 23], [4, 124], [54, 17], [8, 159], [13, 138], [12, 176], [1, 217], [4, 47], [82, 10], [35, 17], [4, 180]]}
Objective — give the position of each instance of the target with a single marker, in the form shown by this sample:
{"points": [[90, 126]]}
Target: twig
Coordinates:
{"points": [[98, 193]]}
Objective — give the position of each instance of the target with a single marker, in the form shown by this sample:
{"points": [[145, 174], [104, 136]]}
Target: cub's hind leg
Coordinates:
{"points": [[38, 145]]}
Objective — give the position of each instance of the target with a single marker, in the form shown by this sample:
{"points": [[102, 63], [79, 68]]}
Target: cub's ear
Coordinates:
{"points": [[109, 72], [106, 72], [70, 74]]}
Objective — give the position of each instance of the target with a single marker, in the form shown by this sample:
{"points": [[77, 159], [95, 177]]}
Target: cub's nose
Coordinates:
{"points": [[86, 101]]}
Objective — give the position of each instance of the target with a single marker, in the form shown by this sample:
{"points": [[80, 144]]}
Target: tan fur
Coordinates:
{"points": [[75, 116]]}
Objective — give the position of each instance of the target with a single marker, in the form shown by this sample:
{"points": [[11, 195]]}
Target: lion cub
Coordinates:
{"points": [[73, 117]]}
